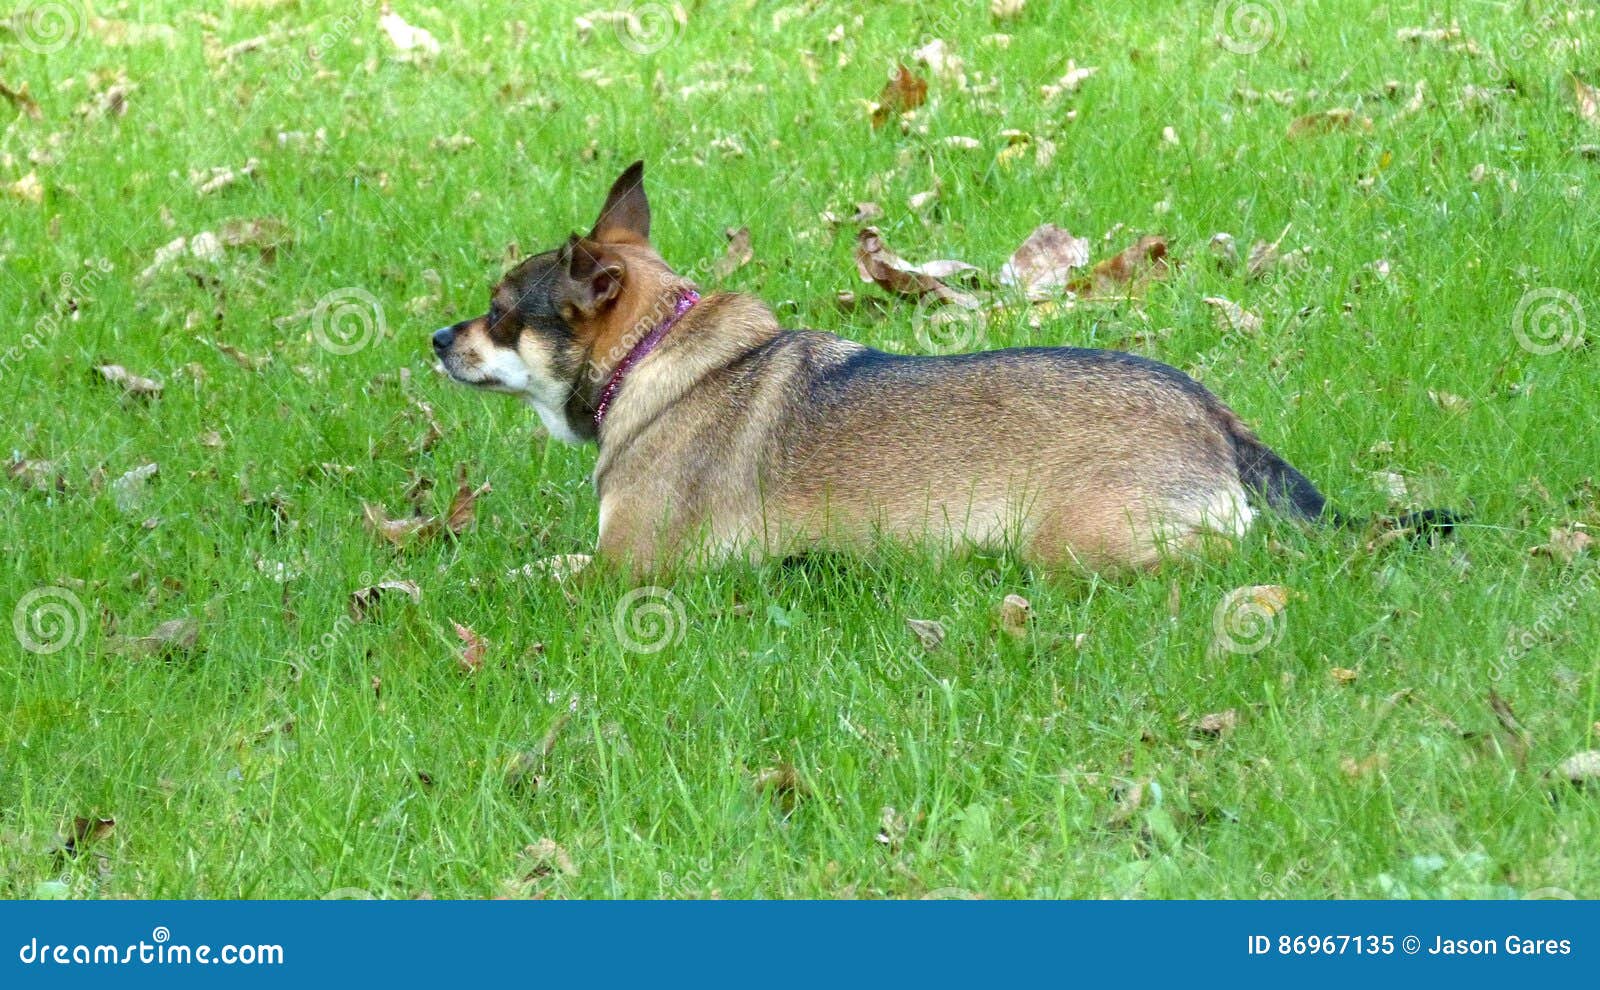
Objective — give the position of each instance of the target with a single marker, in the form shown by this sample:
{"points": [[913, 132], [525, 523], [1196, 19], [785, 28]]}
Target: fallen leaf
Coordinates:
{"points": [[559, 567], [363, 600], [1041, 264], [904, 92], [464, 506], [405, 37], [1579, 769], [38, 476], [1434, 36], [268, 235], [1566, 543], [1588, 100], [892, 273], [783, 784], [22, 100], [544, 858], [929, 631], [1356, 769], [1327, 122], [134, 385], [1015, 611], [738, 253], [128, 491], [1127, 273], [1342, 675], [1233, 317], [220, 177], [399, 532], [944, 66], [1449, 401], [473, 647], [171, 637], [1004, 10], [86, 830], [1068, 83], [28, 189], [1518, 740], [1218, 723]]}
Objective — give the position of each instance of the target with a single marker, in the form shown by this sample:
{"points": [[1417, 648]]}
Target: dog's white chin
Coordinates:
{"points": [[554, 419]]}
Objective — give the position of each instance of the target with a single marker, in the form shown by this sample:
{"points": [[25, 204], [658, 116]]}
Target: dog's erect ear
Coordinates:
{"points": [[626, 215], [594, 275]]}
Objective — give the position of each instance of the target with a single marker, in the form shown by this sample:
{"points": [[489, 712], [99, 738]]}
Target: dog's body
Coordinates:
{"points": [[722, 435]]}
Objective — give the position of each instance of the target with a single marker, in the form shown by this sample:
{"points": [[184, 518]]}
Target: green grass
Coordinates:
{"points": [[1007, 762]]}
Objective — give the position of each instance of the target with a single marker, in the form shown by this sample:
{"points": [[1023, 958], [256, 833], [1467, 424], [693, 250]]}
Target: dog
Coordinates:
{"points": [[722, 436]]}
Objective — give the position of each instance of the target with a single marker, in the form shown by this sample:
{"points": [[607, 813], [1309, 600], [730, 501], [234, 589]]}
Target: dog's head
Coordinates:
{"points": [[561, 321]]}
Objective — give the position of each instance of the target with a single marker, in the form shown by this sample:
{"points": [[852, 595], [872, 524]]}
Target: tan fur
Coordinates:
{"points": [[736, 439]]}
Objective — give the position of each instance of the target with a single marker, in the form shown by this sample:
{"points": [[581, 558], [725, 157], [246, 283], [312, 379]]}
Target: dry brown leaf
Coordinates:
{"points": [[1449, 401], [1233, 317], [464, 506], [1579, 769], [1587, 99], [1343, 675], [892, 273], [1518, 740], [28, 189], [904, 91], [399, 532], [363, 600], [738, 254], [129, 490], [38, 476], [171, 637], [406, 38], [473, 647], [1218, 723], [929, 631], [1356, 769], [1566, 543], [86, 829], [1015, 611], [545, 858], [1127, 273], [21, 99], [559, 567], [1068, 83], [219, 177], [783, 784], [1327, 122], [268, 235], [134, 385], [1041, 264]]}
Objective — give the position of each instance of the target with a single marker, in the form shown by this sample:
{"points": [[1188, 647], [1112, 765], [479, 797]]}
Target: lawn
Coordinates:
{"points": [[260, 212]]}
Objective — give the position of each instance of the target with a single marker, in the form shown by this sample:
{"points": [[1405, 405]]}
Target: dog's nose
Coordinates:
{"points": [[442, 339]]}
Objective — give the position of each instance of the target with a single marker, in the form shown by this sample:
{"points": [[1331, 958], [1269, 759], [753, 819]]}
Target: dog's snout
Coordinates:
{"points": [[443, 338]]}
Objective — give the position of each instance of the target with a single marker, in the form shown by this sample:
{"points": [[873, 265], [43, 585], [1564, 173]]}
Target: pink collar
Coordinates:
{"points": [[638, 353]]}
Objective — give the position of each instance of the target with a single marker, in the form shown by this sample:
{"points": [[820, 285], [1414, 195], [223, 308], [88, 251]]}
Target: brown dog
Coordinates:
{"points": [[723, 435]]}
